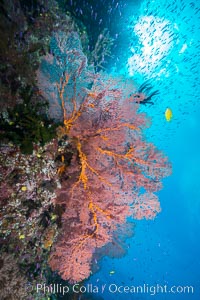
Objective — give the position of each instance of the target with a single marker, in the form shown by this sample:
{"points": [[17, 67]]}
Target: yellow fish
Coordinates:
{"points": [[112, 272], [168, 114]]}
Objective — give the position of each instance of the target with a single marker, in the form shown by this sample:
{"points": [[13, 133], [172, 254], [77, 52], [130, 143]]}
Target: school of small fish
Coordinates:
{"points": [[167, 51]]}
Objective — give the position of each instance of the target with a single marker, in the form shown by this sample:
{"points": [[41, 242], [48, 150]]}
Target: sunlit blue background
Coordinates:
{"points": [[166, 250]]}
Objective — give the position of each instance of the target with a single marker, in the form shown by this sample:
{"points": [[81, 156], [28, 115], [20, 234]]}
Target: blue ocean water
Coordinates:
{"points": [[162, 44]]}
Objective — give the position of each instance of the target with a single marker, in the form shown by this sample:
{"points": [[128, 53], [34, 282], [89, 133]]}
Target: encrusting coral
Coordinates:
{"points": [[28, 215], [12, 283]]}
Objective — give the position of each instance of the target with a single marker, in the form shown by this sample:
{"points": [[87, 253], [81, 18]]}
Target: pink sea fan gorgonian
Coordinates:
{"points": [[114, 170]]}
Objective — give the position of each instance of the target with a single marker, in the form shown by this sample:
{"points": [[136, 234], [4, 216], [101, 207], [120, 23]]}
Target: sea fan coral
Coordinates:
{"points": [[113, 171]]}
